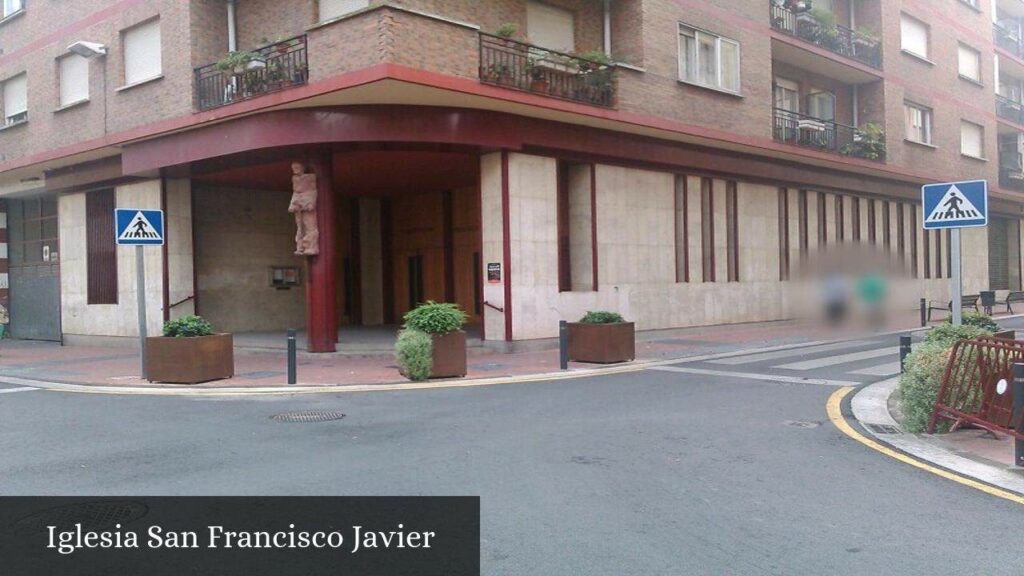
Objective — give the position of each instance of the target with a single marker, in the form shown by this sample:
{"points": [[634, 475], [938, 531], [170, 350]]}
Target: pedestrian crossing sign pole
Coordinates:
{"points": [[139, 228], [955, 205]]}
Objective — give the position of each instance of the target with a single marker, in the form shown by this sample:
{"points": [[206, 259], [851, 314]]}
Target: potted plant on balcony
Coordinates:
{"points": [[442, 324], [868, 142], [237, 62], [538, 76], [602, 337], [189, 352]]}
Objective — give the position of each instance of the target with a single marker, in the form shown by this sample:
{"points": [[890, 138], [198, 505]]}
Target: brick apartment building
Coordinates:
{"points": [[686, 180]]}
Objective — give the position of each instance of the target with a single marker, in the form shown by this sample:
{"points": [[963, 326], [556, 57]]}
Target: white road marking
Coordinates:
{"points": [[13, 390], [841, 359], [751, 376], [880, 370], [803, 351]]}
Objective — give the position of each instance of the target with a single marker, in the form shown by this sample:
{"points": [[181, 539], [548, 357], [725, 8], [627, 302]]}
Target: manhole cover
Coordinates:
{"points": [[883, 428], [803, 423], [308, 416], [91, 515]]}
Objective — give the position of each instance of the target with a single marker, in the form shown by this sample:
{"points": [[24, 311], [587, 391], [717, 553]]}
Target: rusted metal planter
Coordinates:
{"points": [[449, 355], [602, 343], [190, 360]]}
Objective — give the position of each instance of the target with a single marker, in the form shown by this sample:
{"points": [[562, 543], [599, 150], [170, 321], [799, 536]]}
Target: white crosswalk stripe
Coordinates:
{"points": [[803, 352], [13, 390], [887, 369], [837, 360]]}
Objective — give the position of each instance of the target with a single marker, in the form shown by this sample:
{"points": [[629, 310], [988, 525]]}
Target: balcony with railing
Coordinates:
{"points": [[1010, 109], [527, 67], [828, 135], [243, 75], [833, 37], [1007, 36]]}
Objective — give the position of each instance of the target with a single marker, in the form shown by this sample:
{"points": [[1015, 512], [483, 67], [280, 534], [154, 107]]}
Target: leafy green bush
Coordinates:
{"points": [[435, 318], [983, 321], [601, 317], [413, 353], [507, 30], [948, 334], [919, 384], [187, 327]]}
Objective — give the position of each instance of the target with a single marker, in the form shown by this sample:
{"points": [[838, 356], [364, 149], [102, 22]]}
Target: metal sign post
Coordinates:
{"points": [[139, 228], [955, 205]]}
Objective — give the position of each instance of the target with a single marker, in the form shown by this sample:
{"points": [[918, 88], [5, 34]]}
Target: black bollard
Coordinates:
{"points": [[563, 345], [924, 312], [291, 356], [904, 351]]}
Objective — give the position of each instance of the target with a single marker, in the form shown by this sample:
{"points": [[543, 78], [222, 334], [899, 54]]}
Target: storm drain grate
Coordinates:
{"points": [[803, 423], [305, 416], [91, 515], [883, 428]]}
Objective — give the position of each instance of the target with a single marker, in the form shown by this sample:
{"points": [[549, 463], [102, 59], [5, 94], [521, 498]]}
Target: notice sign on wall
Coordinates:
{"points": [[494, 272]]}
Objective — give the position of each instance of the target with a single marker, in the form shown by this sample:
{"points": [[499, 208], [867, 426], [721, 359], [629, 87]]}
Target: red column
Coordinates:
{"points": [[321, 282]]}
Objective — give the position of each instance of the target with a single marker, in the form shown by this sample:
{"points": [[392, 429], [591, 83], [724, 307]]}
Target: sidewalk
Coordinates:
{"points": [[263, 368]]}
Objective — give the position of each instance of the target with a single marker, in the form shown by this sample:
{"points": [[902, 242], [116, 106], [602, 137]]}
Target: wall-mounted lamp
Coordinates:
{"points": [[88, 49]]}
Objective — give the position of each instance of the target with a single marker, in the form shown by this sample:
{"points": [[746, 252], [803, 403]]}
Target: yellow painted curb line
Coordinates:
{"points": [[836, 416]]}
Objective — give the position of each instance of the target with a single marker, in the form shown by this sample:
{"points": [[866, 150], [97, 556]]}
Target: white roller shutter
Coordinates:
{"points": [[334, 8], [913, 36], [74, 79], [971, 139], [142, 53], [550, 27], [970, 62], [15, 96]]}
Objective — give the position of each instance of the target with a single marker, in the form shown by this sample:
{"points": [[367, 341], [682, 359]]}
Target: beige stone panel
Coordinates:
{"points": [[796, 263], [758, 206], [581, 237], [180, 257], [865, 209], [830, 219], [974, 259], [721, 233], [812, 224], [534, 242], [77, 316], [492, 238], [371, 262]]}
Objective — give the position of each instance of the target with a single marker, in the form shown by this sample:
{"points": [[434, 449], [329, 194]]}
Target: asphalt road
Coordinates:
{"points": [[653, 472]]}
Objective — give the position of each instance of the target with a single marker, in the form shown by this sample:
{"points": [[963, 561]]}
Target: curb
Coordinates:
{"points": [[869, 408]]}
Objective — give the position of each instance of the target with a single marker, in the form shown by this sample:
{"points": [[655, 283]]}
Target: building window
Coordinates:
{"points": [[822, 221], [708, 60], [918, 123], [972, 139], [821, 105], [328, 9], [732, 234], [35, 241], [74, 79], [682, 208], [783, 234], [855, 218], [707, 229], [971, 3], [101, 250], [787, 95], [802, 223], [415, 275], [913, 36], [15, 100], [12, 7], [970, 63], [550, 27], [142, 59]]}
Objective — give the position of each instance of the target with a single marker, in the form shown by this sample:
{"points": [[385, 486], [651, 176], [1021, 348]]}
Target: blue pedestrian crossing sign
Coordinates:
{"points": [[955, 204], [134, 227]]}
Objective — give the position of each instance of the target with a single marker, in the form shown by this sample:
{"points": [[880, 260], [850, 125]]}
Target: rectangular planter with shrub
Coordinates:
{"points": [[431, 343], [189, 353], [602, 338]]}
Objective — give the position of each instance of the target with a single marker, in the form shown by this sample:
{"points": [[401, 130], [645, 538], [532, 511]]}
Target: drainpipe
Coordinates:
{"points": [[608, 27], [232, 38]]}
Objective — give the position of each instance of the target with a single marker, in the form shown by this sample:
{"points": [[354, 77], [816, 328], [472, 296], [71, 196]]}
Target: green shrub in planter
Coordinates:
{"points": [[948, 334], [435, 318], [978, 320], [601, 317], [919, 385], [413, 353], [187, 327]]}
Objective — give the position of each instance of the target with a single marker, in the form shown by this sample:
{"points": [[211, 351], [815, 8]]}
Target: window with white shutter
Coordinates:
{"points": [[15, 99], [329, 9], [970, 63], [12, 6], [74, 79], [972, 139], [550, 27], [913, 36], [142, 53]]}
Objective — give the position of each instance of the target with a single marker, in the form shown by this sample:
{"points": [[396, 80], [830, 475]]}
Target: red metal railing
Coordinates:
{"points": [[970, 389]]}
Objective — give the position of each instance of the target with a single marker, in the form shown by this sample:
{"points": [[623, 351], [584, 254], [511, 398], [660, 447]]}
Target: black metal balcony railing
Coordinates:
{"points": [[833, 37], [275, 67], [811, 132], [1007, 39], [1011, 176], [514, 64], [1010, 109]]}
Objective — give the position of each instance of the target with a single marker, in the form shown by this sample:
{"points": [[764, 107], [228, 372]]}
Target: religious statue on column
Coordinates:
{"points": [[303, 205]]}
